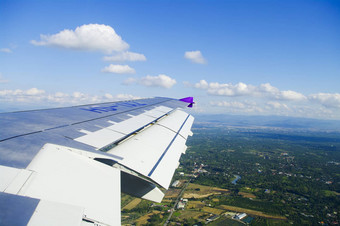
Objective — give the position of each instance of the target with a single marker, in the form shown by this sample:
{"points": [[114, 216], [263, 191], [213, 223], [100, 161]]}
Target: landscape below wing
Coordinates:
{"points": [[68, 166]]}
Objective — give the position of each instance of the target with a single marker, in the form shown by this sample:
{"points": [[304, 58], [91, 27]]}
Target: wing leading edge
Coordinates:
{"points": [[68, 165]]}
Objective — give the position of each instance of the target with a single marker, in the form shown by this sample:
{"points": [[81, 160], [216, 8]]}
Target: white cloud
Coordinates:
{"points": [[92, 37], [277, 105], [267, 88], [119, 69], [160, 81], [125, 56], [242, 89], [226, 89], [266, 99], [40, 97], [290, 95], [34, 92], [5, 50], [195, 57], [155, 81], [326, 99], [19, 92], [19, 95]]}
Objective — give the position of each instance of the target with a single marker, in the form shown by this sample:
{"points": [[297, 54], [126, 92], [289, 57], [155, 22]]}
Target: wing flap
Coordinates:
{"points": [[155, 151], [140, 152], [165, 167]]}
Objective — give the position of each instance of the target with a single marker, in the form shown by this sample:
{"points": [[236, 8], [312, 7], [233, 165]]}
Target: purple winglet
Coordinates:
{"points": [[189, 100]]}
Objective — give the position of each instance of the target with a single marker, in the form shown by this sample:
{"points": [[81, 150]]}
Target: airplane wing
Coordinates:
{"points": [[68, 166]]}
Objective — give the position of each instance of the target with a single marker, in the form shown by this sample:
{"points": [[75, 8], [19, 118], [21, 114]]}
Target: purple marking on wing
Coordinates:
{"points": [[189, 100]]}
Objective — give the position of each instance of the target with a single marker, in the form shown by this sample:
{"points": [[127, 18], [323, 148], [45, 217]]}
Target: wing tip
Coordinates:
{"points": [[189, 100]]}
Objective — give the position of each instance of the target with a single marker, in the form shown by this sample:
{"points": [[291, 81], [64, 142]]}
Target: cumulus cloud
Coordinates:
{"points": [[160, 81], [290, 95], [277, 105], [242, 89], [19, 92], [5, 50], [125, 56], [227, 89], [195, 57], [94, 37], [91, 37], [39, 96], [267, 88], [326, 99], [19, 95], [34, 92], [155, 81], [119, 69], [266, 99]]}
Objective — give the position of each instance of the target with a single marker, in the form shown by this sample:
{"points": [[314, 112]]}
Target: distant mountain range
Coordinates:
{"points": [[271, 121]]}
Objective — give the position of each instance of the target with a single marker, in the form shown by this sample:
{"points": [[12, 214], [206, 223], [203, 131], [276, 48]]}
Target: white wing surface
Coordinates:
{"points": [[68, 166]]}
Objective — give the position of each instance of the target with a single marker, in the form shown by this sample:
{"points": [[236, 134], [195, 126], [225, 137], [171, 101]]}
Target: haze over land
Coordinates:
{"points": [[236, 57], [274, 170], [279, 122]]}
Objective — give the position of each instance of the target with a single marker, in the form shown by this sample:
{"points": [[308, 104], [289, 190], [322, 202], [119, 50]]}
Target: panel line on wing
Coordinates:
{"points": [[57, 127], [89, 120], [21, 135], [166, 150], [172, 130], [113, 144]]}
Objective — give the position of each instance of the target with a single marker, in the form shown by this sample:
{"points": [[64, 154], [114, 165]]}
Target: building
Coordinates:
{"points": [[212, 218], [175, 184], [240, 216], [181, 205]]}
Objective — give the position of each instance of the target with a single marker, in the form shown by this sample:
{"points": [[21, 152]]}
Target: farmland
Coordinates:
{"points": [[287, 177]]}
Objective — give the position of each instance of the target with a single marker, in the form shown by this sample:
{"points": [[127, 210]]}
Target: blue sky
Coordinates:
{"points": [[235, 57]]}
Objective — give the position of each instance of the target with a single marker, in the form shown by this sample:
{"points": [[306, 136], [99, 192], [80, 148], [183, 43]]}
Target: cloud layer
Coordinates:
{"points": [[243, 98], [242, 89], [326, 99], [39, 96], [119, 69], [153, 81], [195, 57], [91, 37]]}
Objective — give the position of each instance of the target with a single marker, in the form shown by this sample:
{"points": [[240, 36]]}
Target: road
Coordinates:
{"points": [[177, 200]]}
